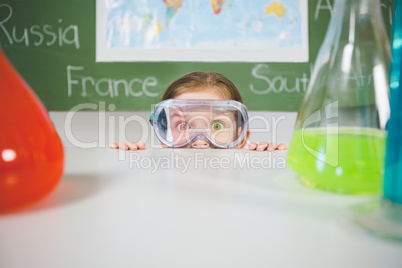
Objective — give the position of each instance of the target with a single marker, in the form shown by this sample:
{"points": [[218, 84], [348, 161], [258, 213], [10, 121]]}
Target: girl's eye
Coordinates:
{"points": [[217, 126], [182, 126]]}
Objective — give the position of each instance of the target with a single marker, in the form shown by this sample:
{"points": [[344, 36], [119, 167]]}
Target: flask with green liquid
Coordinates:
{"points": [[384, 217], [339, 139]]}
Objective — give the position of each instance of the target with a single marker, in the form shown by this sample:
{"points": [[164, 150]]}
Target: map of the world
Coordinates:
{"points": [[206, 23], [224, 24]]}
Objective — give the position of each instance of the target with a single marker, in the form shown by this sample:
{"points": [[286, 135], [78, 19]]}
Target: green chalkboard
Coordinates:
{"points": [[36, 37]]}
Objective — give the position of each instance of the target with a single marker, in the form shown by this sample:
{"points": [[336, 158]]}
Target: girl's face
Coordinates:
{"points": [[209, 95]]}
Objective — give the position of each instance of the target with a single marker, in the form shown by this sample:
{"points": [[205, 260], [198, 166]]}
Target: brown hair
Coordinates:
{"points": [[196, 80]]}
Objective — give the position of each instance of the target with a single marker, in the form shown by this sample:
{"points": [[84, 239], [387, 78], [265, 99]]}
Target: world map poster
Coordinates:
{"points": [[202, 30]]}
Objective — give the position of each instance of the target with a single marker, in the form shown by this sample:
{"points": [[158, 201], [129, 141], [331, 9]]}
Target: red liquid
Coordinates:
{"points": [[31, 153]]}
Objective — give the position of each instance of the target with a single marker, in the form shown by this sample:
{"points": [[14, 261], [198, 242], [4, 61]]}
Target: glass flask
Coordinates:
{"points": [[339, 140], [384, 217], [31, 153], [393, 160]]}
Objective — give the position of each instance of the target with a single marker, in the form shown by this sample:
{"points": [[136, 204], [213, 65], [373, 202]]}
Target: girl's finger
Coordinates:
{"points": [[123, 145], [132, 145], [262, 146], [252, 146], [113, 145], [282, 146], [141, 145], [272, 146]]}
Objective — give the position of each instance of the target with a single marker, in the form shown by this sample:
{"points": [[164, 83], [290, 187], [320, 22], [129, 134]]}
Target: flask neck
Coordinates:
{"points": [[358, 21], [357, 9], [361, 5]]}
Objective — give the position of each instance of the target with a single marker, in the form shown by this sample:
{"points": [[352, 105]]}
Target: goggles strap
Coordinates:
{"points": [[151, 119]]}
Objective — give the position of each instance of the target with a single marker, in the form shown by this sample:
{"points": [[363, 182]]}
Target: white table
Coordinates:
{"points": [[109, 212]]}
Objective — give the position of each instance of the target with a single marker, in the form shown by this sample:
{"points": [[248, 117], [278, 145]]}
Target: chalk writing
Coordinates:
{"points": [[278, 83], [37, 35], [322, 6], [104, 87]]}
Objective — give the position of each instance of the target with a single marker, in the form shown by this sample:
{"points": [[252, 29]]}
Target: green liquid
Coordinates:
{"points": [[340, 160]]}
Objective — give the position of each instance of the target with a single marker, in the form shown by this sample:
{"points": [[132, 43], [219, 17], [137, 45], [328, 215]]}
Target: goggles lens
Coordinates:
{"points": [[221, 123]]}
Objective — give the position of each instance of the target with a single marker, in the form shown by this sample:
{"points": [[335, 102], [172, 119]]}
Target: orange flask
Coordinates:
{"points": [[31, 153]]}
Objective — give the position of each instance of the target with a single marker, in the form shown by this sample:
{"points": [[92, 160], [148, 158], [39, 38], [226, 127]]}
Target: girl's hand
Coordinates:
{"points": [[129, 145], [265, 146]]}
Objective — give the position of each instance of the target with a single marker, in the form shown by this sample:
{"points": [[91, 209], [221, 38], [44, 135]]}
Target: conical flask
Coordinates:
{"points": [[31, 153], [339, 139], [393, 164], [384, 217]]}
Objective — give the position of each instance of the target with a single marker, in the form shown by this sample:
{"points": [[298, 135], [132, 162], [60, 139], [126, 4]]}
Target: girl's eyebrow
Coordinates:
{"points": [[176, 113], [223, 118], [176, 117]]}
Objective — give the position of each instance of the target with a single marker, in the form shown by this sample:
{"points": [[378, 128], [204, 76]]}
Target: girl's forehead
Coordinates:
{"points": [[202, 93]]}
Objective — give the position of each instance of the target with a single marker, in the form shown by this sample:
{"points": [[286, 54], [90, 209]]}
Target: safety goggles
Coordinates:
{"points": [[178, 123]]}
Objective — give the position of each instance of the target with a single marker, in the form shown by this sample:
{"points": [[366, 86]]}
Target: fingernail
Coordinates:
{"points": [[131, 144], [141, 145], [282, 147], [123, 146], [113, 145]]}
